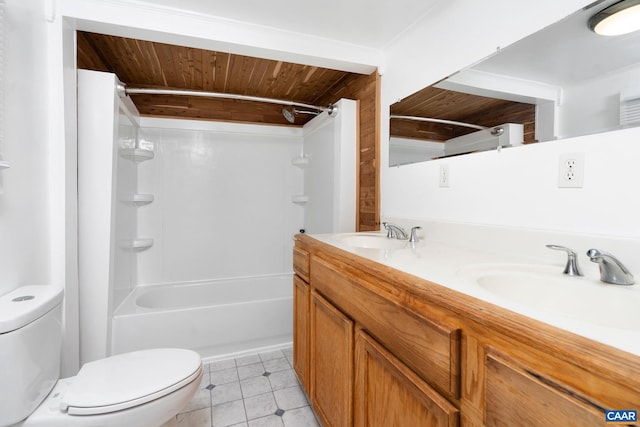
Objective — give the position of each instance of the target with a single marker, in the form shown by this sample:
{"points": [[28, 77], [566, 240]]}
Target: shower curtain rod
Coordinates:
{"points": [[443, 121], [182, 92]]}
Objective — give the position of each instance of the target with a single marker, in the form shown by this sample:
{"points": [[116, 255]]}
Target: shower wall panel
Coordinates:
{"points": [[223, 200]]}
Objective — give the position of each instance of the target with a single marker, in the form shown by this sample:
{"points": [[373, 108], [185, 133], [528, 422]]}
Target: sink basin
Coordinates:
{"points": [[372, 241], [578, 298]]}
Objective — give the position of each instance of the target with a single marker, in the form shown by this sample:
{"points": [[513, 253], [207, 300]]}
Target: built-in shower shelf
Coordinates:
{"points": [[300, 199], [4, 165], [136, 154], [136, 244], [137, 199], [300, 162]]}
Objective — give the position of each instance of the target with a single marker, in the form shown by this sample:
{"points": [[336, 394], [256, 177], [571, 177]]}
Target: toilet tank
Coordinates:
{"points": [[30, 341]]}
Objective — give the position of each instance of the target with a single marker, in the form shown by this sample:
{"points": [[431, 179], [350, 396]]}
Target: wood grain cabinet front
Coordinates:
{"points": [[518, 395], [331, 362], [388, 349], [301, 301], [301, 263], [388, 393]]}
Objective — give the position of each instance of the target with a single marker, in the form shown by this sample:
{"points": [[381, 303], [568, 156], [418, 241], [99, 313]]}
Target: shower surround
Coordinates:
{"points": [[203, 213]]}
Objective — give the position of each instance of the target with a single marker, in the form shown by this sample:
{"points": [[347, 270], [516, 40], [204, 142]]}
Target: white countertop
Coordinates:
{"points": [[458, 266]]}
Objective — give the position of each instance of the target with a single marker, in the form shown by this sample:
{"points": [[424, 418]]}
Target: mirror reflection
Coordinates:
{"points": [[560, 82]]}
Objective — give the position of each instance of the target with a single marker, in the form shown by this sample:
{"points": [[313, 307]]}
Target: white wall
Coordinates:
{"points": [[458, 33], [37, 194], [518, 187], [515, 187], [594, 105], [24, 190], [175, 26], [222, 203]]}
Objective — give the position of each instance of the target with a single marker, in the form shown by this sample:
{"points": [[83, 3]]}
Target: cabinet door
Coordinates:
{"points": [[331, 363], [387, 393], [301, 331], [517, 395]]}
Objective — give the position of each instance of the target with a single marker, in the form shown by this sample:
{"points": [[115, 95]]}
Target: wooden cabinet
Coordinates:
{"points": [[517, 395], [301, 301], [331, 363], [387, 393], [385, 348], [301, 295]]}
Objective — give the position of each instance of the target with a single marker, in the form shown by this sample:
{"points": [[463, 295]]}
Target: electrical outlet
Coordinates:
{"points": [[571, 170], [445, 176]]}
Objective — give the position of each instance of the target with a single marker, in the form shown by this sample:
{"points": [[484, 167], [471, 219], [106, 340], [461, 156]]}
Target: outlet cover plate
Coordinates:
{"points": [[571, 170], [444, 178]]}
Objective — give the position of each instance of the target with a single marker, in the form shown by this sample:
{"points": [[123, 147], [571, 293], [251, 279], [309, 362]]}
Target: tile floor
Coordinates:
{"points": [[260, 390]]}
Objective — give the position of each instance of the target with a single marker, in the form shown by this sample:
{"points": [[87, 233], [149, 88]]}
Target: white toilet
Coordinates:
{"points": [[139, 389]]}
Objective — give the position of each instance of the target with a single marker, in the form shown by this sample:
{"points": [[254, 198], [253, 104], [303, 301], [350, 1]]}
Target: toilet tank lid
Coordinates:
{"points": [[23, 305]]}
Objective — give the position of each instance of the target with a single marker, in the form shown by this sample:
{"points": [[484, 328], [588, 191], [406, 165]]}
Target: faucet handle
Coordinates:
{"points": [[414, 235], [572, 268]]}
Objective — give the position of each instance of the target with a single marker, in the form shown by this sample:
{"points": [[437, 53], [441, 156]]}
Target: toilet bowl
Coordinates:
{"points": [[140, 389], [144, 388]]}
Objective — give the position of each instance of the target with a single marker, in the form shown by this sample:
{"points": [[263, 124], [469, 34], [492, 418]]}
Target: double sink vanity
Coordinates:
{"points": [[442, 332]]}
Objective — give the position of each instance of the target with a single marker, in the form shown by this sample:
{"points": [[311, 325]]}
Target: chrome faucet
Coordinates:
{"points": [[394, 231], [611, 269], [571, 268]]}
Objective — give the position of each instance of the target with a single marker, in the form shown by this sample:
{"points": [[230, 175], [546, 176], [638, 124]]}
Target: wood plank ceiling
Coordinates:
{"points": [[446, 104], [145, 64]]}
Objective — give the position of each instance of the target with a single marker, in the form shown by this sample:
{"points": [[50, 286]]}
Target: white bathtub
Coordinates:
{"points": [[218, 318]]}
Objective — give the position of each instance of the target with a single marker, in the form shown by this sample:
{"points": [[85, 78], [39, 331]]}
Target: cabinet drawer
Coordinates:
{"points": [[390, 394], [301, 263], [516, 395], [430, 347]]}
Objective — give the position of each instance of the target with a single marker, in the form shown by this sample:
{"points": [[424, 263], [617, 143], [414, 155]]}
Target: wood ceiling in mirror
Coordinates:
{"points": [[438, 103], [139, 63]]}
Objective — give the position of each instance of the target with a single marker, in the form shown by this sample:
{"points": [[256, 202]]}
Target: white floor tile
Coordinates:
{"points": [[301, 417], [223, 376], [226, 393], [275, 365], [288, 352], [254, 386], [283, 379], [199, 418], [228, 414], [290, 398], [276, 354], [223, 405], [222, 364], [259, 406], [249, 371], [270, 421], [247, 360]]}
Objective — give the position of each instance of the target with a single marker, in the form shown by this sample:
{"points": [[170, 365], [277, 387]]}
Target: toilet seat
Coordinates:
{"points": [[131, 379]]}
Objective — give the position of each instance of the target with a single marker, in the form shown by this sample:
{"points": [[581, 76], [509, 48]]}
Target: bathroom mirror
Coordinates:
{"points": [[560, 82]]}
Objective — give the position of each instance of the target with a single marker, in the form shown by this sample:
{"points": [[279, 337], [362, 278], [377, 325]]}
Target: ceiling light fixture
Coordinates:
{"points": [[620, 18]]}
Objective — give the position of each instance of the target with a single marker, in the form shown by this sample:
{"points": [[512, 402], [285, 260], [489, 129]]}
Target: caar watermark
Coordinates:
{"points": [[621, 416]]}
